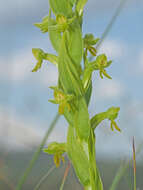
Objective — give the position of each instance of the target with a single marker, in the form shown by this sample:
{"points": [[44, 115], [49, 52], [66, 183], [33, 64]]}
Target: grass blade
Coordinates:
{"points": [[134, 163], [44, 177], [122, 169], [110, 24], [36, 154]]}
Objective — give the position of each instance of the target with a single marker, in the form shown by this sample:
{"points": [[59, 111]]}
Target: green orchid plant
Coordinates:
{"points": [[74, 88]]}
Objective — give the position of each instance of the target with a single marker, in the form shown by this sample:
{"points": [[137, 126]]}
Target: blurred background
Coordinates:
{"points": [[25, 113]]}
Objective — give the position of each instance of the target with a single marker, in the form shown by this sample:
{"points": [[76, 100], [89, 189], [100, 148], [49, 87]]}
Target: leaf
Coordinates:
{"points": [[74, 43], [78, 157], [61, 7], [87, 74], [54, 35], [96, 182], [73, 2], [88, 93], [69, 75], [80, 6], [82, 122]]}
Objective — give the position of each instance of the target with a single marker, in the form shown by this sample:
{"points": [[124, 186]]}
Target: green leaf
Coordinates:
{"points": [[73, 2], [88, 93], [96, 182], [68, 72], [74, 43], [82, 122], [80, 6], [54, 35], [78, 157], [87, 74], [61, 7]]}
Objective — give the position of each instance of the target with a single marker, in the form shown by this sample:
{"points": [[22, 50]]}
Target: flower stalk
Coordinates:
{"points": [[74, 87]]}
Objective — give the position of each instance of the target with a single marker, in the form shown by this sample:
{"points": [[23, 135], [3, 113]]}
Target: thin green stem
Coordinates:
{"points": [[36, 154], [44, 177]]}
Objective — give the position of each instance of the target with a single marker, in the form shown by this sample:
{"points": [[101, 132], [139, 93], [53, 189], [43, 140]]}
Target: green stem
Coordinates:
{"points": [[36, 154]]}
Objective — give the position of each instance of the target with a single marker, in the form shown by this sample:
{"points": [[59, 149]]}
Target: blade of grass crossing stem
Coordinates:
{"points": [[110, 24], [44, 178], [65, 176], [36, 154], [134, 163]]}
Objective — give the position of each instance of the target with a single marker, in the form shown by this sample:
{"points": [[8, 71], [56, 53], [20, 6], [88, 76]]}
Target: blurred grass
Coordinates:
{"points": [[123, 168], [37, 153], [108, 168]]}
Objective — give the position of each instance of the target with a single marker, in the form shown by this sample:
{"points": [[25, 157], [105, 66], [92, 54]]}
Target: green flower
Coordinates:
{"points": [[62, 99], [89, 42], [57, 149]]}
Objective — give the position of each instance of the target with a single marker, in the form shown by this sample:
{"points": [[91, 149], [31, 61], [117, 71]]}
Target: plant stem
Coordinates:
{"points": [[36, 154]]}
